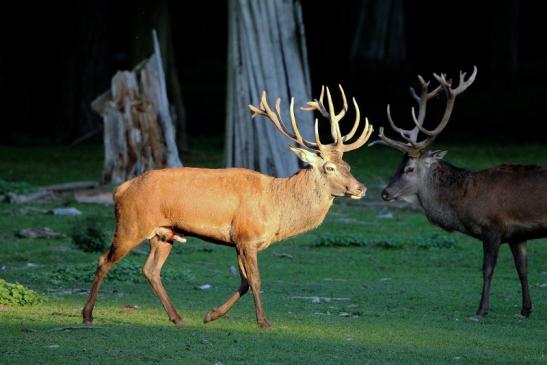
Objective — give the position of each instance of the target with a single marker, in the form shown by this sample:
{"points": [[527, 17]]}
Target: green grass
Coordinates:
{"points": [[407, 304]]}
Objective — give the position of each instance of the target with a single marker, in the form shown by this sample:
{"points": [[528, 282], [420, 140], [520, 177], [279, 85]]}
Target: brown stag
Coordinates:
{"points": [[234, 207], [504, 204]]}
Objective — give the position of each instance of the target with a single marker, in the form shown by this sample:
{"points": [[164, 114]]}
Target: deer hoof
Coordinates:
{"points": [[211, 316], [264, 324], [476, 318], [177, 321], [525, 312]]}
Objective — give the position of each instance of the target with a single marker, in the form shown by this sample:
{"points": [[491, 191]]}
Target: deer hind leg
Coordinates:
{"points": [[114, 254], [159, 251], [520, 256], [224, 308], [491, 248]]}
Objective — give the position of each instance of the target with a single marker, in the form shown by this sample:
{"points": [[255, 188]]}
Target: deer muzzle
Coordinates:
{"points": [[387, 196], [357, 192]]}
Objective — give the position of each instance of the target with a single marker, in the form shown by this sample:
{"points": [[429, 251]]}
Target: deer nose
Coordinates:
{"points": [[385, 195], [361, 189]]}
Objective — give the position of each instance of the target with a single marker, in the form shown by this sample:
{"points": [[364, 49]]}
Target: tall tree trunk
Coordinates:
{"points": [[266, 51], [379, 37], [504, 40], [85, 68]]}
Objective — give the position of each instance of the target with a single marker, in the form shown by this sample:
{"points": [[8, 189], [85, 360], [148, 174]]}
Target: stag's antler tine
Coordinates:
{"points": [[334, 119], [365, 135], [463, 84], [348, 136], [320, 146], [408, 135], [317, 105], [334, 127], [293, 120], [390, 142], [412, 135], [275, 117], [450, 98], [340, 115]]}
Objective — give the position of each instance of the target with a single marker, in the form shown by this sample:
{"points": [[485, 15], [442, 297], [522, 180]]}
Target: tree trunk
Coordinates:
{"points": [[504, 40], [266, 51], [138, 130], [379, 37]]}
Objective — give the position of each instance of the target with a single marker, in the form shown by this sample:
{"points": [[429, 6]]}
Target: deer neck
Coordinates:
{"points": [[303, 201], [441, 193]]}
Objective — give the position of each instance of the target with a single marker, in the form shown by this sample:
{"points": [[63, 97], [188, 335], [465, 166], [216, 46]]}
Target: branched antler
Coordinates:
{"points": [[412, 146], [334, 119]]}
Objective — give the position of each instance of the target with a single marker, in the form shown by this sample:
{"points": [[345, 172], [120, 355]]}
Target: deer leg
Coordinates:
{"points": [[520, 255], [114, 254], [224, 308], [159, 251], [250, 266], [490, 255]]}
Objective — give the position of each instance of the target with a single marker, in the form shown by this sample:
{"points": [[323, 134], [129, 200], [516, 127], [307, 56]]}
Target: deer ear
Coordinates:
{"points": [[307, 156], [439, 154], [434, 156]]}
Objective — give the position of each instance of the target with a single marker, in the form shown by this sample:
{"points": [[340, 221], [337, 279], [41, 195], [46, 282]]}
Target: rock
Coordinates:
{"points": [[204, 287], [72, 212], [42, 232]]}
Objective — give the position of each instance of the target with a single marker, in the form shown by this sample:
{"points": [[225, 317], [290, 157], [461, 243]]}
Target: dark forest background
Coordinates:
{"points": [[56, 58]]}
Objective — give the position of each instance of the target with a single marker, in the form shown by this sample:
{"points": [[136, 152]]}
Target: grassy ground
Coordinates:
{"points": [[405, 288]]}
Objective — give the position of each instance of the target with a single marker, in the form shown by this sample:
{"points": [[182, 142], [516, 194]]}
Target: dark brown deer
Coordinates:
{"points": [[234, 207], [504, 204]]}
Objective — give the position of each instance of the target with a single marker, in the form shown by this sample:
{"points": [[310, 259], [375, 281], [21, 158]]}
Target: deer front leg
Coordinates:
{"points": [[224, 308], [250, 265], [520, 255], [491, 248]]}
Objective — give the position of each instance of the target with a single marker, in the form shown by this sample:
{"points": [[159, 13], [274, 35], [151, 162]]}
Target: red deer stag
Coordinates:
{"points": [[502, 204], [234, 207]]}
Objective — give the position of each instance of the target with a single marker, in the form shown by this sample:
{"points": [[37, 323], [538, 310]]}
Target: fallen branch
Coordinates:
{"points": [[60, 329], [321, 299], [76, 185], [42, 232], [27, 198], [285, 255]]}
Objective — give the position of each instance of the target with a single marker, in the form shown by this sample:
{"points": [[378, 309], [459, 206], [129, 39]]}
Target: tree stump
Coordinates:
{"points": [[138, 128]]}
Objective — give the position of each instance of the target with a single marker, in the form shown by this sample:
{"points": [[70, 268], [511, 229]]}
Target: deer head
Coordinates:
{"points": [[418, 160], [324, 159]]}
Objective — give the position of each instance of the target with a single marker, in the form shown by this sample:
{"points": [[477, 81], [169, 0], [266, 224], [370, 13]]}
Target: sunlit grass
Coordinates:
{"points": [[401, 305]]}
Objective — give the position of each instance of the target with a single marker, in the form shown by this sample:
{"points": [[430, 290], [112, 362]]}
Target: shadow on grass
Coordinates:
{"points": [[145, 336]]}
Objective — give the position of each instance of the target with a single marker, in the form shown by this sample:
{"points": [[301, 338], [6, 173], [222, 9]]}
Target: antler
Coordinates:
{"points": [[334, 119], [275, 117], [413, 147]]}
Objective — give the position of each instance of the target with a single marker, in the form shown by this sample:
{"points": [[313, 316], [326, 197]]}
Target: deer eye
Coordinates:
{"points": [[409, 170], [329, 168]]}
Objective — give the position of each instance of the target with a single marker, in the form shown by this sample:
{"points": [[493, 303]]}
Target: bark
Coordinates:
{"points": [[138, 129], [504, 40], [379, 37], [266, 51]]}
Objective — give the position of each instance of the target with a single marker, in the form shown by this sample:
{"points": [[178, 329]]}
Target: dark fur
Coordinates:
{"points": [[504, 204]]}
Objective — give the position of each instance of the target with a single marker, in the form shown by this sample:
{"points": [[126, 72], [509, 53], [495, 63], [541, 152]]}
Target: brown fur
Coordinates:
{"points": [[234, 207]]}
